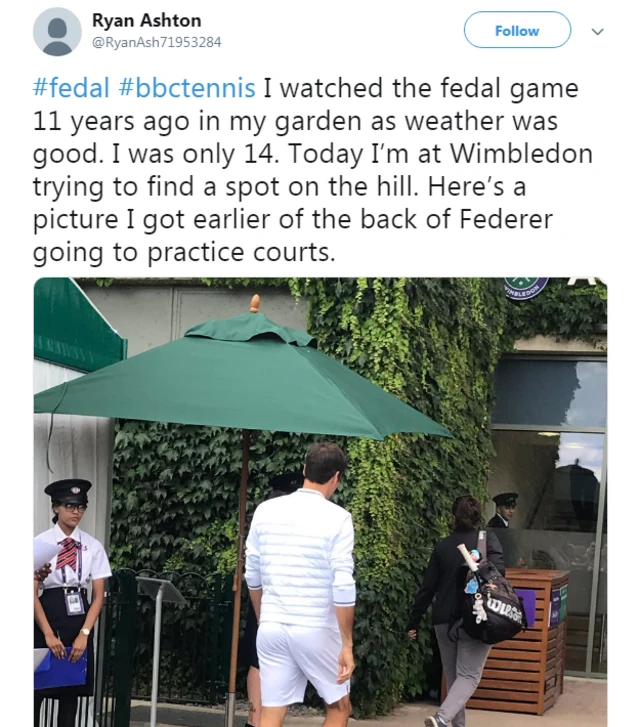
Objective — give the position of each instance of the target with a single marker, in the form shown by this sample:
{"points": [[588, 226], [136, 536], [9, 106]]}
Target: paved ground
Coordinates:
{"points": [[583, 704]]}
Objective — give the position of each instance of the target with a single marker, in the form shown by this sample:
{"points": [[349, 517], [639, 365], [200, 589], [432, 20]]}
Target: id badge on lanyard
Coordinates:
{"points": [[73, 601], [74, 604]]}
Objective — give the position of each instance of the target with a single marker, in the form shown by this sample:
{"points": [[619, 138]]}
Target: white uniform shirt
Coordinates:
{"points": [[95, 564], [300, 552]]}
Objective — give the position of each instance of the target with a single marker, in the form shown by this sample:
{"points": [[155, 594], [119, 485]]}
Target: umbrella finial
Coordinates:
{"points": [[255, 303]]}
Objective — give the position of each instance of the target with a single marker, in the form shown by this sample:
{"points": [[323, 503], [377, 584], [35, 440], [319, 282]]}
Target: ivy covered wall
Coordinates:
{"points": [[561, 310], [432, 342]]}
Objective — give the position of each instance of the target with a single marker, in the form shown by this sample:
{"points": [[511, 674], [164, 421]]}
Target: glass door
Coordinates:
{"points": [[557, 476], [549, 425]]}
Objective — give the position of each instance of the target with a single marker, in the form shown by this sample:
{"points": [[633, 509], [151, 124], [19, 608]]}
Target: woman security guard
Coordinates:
{"points": [[63, 616]]}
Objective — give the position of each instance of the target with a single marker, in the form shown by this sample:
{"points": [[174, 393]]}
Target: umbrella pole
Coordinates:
{"points": [[237, 583]]}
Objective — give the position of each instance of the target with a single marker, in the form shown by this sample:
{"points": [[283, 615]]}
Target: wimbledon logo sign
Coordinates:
{"points": [[524, 288]]}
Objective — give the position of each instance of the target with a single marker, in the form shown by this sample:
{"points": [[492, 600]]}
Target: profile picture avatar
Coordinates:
{"points": [[57, 32]]}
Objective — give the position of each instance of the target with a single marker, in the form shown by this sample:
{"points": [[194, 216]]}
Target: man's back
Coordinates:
{"points": [[300, 577], [299, 551]]}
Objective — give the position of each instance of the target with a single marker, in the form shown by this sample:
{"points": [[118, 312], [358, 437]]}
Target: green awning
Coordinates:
{"points": [[70, 331]]}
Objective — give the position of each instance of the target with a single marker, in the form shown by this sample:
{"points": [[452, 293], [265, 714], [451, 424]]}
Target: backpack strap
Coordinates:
{"points": [[482, 545]]}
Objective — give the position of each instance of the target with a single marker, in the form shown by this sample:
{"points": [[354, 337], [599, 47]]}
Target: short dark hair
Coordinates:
{"points": [[467, 513], [323, 461]]}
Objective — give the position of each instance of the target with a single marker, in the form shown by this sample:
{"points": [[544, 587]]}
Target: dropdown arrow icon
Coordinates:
{"points": [[597, 32]]}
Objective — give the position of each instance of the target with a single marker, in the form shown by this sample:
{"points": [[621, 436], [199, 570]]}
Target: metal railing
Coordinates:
{"points": [[195, 641]]}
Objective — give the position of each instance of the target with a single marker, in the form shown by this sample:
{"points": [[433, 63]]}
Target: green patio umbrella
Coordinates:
{"points": [[247, 373]]}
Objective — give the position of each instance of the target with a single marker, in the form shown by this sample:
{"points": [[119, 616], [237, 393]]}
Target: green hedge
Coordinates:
{"points": [[432, 342]]}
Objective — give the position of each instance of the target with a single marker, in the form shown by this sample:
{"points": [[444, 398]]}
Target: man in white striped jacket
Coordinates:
{"points": [[300, 577]]}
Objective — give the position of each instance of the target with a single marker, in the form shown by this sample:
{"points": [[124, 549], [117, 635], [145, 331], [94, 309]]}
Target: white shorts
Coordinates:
{"points": [[289, 656]]}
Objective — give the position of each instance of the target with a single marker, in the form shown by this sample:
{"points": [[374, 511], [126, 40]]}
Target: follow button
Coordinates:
{"points": [[517, 29]]}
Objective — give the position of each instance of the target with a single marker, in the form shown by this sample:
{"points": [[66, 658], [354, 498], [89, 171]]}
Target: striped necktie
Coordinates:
{"points": [[68, 555]]}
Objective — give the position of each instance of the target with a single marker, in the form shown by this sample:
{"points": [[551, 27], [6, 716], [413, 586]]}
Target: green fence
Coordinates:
{"points": [[195, 641], [195, 648]]}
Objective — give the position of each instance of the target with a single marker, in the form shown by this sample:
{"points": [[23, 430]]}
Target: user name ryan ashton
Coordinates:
{"points": [[106, 22]]}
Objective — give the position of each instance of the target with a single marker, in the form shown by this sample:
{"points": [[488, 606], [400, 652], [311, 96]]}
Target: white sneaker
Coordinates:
{"points": [[431, 722]]}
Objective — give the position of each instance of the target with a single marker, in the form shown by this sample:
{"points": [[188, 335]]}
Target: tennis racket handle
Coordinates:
{"points": [[473, 566]]}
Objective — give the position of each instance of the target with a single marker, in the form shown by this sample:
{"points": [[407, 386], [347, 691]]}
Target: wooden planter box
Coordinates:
{"points": [[526, 674]]}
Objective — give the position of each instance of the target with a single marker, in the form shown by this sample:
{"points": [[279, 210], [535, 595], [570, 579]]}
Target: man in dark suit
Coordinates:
{"points": [[505, 505]]}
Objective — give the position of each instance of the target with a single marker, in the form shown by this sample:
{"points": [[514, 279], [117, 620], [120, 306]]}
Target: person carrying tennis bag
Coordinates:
{"points": [[463, 657]]}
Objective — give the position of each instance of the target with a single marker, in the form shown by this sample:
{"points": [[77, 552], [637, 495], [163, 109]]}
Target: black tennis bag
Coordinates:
{"points": [[492, 612]]}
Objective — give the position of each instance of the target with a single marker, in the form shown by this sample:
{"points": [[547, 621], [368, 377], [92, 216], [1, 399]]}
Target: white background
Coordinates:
{"points": [[594, 207]]}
